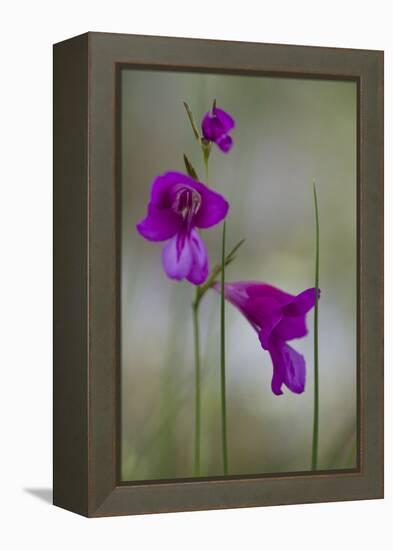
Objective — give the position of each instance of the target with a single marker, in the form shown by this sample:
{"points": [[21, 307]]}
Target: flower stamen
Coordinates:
{"points": [[187, 203]]}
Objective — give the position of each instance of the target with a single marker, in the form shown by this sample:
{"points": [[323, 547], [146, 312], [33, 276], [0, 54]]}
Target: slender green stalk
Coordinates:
{"points": [[222, 353], [206, 161], [197, 432], [314, 458], [206, 149], [197, 360]]}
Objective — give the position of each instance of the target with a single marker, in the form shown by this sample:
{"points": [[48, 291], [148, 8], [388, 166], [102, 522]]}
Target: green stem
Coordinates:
{"points": [[206, 161], [314, 458], [223, 385], [195, 311], [215, 272], [197, 433]]}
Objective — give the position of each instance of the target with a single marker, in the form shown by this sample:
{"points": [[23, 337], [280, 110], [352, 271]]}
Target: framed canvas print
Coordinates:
{"points": [[218, 274]]}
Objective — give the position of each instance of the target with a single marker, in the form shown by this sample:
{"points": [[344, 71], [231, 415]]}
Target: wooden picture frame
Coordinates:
{"points": [[86, 274]]}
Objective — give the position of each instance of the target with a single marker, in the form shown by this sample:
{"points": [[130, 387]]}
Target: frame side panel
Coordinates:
{"points": [[371, 270], [70, 266]]}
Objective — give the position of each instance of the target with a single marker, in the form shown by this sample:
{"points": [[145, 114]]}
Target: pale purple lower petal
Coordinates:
{"points": [[185, 257], [177, 257], [200, 266]]}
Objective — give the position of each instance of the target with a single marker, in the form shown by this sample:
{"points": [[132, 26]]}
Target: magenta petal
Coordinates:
{"points": [[177, 257], [163, 185], [263, 290], [277, 317], [289, 367], [227, 122], [213, 209], [199, 267], [278, 370], [236, 294], [215, 127], [266, 314], [177, 205], [302, 303], [212, 128], [291, 327], [225, 143], [159, 225]]}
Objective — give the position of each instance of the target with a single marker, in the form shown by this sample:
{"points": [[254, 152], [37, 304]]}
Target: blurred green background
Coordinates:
{"points": [[288, 133]]}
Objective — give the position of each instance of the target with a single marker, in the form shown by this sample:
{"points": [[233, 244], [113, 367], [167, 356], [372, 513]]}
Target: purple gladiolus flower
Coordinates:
{"points": [[215, 127], [178, 206], [277, 317]]}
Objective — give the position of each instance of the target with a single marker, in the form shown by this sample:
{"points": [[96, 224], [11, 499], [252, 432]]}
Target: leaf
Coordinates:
{"points": [[190, 169], [192, 122], [231, 255]]}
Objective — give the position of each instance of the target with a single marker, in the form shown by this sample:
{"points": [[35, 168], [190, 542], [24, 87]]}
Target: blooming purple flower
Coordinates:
{"points": [[178, 206], [277, 317], [215, 127]]}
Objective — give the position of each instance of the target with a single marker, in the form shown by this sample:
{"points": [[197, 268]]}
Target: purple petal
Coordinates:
{"points": [[295, 372], [291, 327], [199, 267], [264, 313], [263, 290], [278, 372], [213, 209], [177, 257], [302, 303], [216, 125], [212, 128], [185, 257], [159, 225], [225, 143], [236, 294], [227, 122], [162, 188], [289, 367]]}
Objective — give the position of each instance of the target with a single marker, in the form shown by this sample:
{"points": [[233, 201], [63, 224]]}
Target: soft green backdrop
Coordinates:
{"points": [[289, 132]]}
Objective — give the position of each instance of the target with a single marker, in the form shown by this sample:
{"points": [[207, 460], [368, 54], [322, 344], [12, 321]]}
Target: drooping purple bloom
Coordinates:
{"points": [[277, 317], [178, 206], [215, 127]]}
